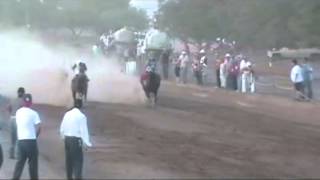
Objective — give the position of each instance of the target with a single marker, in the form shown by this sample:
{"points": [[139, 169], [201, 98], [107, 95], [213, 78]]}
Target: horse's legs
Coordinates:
{"points": [[146, 92]]}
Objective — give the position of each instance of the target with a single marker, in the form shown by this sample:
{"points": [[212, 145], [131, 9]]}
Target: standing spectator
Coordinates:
{"points": [[177, 64], [307, 77], [247, 78], [297, 79], [244, 75], [196, 67], [2, 104], [28, 130], [1, 152], [74, 130], [252, 78], [204, 64], [233, 71], [1, 156], [14, 105], [165, 56], [217, 67], [223, 71], [184, 66]]}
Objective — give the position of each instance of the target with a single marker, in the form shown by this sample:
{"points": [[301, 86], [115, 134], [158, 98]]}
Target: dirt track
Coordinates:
{"points": [[193, 133]]}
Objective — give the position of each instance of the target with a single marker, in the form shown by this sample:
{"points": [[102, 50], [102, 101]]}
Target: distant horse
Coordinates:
{"points": [[150, 82], [79, 87]]}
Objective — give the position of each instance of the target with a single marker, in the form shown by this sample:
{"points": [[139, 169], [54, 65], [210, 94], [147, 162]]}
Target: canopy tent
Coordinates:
{"points": [[157, 40], [124, 36]]}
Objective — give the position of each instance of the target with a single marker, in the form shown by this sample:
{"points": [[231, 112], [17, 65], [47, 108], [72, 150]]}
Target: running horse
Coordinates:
{"points": [[150, 82], [79, 87]]}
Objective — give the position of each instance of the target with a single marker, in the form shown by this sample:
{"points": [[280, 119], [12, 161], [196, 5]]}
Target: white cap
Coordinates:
{"points": [[183, 52], [227, 55], [202, 51], [249, 64]]}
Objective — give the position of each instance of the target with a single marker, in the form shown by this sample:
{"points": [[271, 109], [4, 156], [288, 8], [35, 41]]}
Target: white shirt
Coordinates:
{"points": [[223, 68], [296, 74], [184, 61], [74, 124], [243, 65], [26, 120]]}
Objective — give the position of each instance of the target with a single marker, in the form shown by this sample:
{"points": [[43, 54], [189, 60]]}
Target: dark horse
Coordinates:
{"points": [[150, 82], [79, 87]]}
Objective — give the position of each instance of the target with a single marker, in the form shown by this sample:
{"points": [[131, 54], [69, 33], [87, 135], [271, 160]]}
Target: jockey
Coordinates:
{"points": [[152, 64], [144, 77], [79, 68]]}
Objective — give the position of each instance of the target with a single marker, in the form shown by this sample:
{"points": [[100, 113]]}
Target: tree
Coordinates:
{"points": [[98, 15], [257, 23]]}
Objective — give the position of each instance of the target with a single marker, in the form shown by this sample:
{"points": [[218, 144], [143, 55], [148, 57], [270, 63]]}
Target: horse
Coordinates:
{"points": [[79, 87], [150, 82]]}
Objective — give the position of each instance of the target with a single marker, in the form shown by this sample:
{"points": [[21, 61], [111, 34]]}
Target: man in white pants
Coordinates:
{"points": [[223, 71], [247, 77]]}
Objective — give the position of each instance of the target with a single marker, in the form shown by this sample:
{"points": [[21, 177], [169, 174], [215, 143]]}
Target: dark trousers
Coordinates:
{"points": [[74, 157], [198, 75], [218, 77], [1, 156], [28, 150], [165, 71], [308, 89], [232, 82], [13, 134]]}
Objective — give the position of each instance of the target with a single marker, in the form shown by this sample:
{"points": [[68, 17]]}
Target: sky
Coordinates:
{"points": [[150, 6]]}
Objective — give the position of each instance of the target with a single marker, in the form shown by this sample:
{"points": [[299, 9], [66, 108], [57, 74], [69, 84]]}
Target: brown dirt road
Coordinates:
{"points": [[193, 133]]}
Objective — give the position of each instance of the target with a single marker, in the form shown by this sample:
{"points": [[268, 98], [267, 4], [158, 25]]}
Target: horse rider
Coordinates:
{"points": [[79, 68], [150, 81], [144, 77]]}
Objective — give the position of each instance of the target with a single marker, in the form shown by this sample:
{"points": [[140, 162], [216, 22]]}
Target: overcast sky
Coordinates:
{"points": [[148, 5]]}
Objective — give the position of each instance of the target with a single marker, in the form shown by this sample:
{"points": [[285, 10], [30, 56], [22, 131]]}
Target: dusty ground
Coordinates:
{"points": [[193, 133]]}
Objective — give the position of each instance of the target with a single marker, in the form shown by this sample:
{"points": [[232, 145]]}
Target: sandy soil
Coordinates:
{"points": [[193, 133]]}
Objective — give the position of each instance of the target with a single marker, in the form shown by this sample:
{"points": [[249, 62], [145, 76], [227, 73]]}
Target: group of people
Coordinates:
{"points": [[236, 73], [301, 77], [198, 63], [25, 128], [233, 71]]}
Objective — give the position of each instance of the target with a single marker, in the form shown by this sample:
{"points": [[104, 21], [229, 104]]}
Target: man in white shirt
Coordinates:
{"points": [[223, 71], [184, 66], [297, 79], [28, 129], [74, 130], [243, 75]]}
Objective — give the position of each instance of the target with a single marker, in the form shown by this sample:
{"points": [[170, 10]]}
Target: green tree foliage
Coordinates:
{"points": [[259, 23], [76, 15]]}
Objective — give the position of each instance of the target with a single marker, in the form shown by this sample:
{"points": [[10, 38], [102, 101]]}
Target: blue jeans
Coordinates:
{"points": [[308, 89]]}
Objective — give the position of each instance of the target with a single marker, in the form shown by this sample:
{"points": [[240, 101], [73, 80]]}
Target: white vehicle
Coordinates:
{"points": [[286, 53]]}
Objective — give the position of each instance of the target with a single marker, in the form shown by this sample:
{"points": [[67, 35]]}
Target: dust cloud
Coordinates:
{"points": [[46, 72]]}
